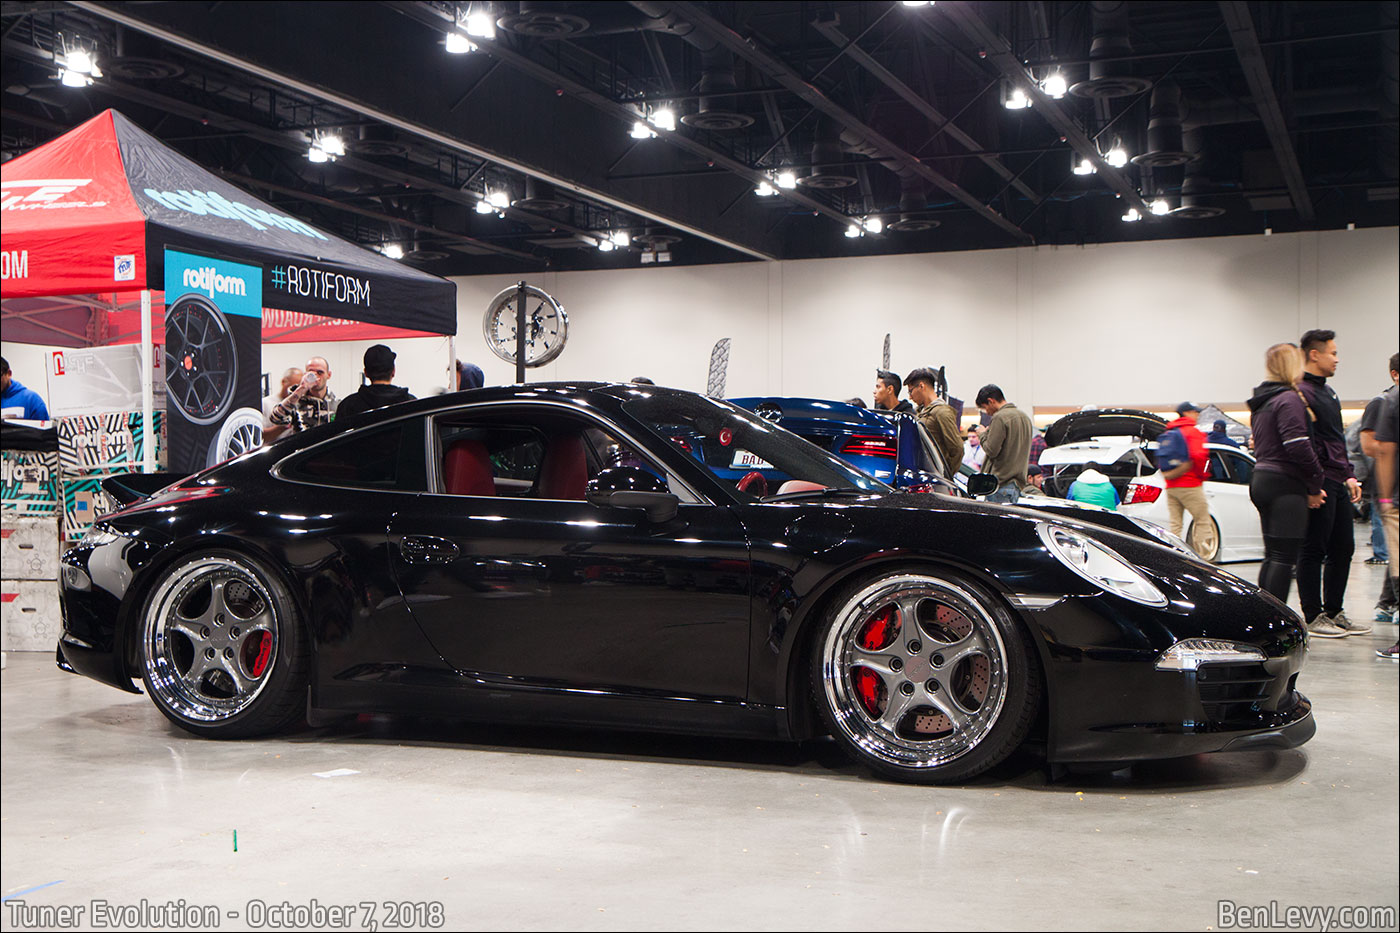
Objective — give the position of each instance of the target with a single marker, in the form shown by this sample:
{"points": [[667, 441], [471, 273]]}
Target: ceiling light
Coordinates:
{"points": [[663, 255], [1013, 98], [1055, 85], [1159, 206], [481, 23], [663, 118], [317, 154], [918, 2], [1132, 215], [484, 207], [70, 78], [605, 245], [458, 44], [621, 238], [787, 178], [641, 131], [765, 190], [332, 145], [648, 257], [80, 60], [873, 225], [392, 250], [1117, 156], [1083, 166], [854, 231], [499, 199]]}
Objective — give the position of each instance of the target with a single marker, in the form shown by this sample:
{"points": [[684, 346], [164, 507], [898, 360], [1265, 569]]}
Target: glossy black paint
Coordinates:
{"points": [[523, 609]]}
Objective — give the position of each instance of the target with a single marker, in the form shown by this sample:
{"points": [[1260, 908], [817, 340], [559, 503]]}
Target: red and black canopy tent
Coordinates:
{"points": [[87, 218]]}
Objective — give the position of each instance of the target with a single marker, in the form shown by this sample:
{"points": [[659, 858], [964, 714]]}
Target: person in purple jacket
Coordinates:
{"points": [[1287, 478]]}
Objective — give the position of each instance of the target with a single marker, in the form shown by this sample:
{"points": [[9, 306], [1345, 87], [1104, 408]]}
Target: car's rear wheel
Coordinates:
{"points": [[223, 652], [1204, 538], [924, 677]]}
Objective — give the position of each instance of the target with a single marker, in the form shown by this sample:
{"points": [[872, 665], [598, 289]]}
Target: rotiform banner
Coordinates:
{"points": [[339, 290]]}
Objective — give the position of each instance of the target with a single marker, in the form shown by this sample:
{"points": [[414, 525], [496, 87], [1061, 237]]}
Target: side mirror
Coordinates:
{"points": [[981, 484], [633, 488]]}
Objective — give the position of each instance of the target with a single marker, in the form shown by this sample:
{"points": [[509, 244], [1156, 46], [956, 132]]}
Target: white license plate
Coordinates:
{"points": [[743, 460]]}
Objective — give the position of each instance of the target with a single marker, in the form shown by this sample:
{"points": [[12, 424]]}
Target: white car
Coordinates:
{"points": [[1122, 442]]}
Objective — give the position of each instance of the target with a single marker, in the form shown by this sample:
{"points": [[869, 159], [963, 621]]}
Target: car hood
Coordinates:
{"points": [[785, 411], [1104, 422]]}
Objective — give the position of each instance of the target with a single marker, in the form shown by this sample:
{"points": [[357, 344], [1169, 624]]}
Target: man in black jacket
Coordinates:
{"points": [[1325, 562], [379, 370]]}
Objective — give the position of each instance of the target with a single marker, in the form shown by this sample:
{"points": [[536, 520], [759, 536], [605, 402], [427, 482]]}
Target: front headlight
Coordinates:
{"points": [[98, 535], [1099, 565], [1164, 536]]}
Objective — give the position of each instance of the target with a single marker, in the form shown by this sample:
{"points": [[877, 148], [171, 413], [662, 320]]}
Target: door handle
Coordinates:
{"points": [[428, 549]]}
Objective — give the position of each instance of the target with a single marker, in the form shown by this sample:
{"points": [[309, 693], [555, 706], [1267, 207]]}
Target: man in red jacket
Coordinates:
{"points": [[1183, 463]]}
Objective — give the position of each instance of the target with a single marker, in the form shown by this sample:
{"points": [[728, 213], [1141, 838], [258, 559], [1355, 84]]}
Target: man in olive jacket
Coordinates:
{"points": [[937, 417], [1007, 441]]}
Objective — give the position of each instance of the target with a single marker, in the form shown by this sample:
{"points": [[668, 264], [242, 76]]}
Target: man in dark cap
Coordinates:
{"points": [[379, 370], [1218, 434]]}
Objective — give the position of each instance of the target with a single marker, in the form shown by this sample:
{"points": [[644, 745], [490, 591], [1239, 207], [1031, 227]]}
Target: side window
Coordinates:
{"points": [[1241, 468], [512, 453], [1219, 468], [389, 458]]}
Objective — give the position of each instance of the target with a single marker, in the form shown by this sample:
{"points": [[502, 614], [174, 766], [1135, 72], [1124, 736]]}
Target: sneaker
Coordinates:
{"points": [[1390, 654], [1384, 613], [1373, 559], [1351, 628], [1324, 627]]}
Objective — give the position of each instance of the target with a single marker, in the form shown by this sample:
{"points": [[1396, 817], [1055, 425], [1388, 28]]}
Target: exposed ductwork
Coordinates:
{"points": [[827, 158], [716, 112], [1197, 184], [913, 190], [540, 197], [1109, 79], [1165, 145]]}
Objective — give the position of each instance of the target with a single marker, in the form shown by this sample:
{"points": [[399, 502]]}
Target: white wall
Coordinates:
{"points": [[1131, 323]]}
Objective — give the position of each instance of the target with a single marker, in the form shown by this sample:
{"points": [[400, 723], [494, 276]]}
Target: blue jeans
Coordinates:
{"points": [[1008, 493], [1378, 547]]}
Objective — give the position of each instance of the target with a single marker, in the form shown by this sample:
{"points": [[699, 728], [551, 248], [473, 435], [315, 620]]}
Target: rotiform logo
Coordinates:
{"points": [[209, 280], [215, 204]]}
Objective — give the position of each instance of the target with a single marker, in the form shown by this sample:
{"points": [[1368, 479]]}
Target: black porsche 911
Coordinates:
{"points": [[571, 553]]}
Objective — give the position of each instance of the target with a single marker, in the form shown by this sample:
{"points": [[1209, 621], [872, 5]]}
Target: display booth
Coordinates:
{"points": [[111, 238]]}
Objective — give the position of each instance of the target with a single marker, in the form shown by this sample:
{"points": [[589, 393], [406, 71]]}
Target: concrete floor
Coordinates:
{"points": [[487, 828]]}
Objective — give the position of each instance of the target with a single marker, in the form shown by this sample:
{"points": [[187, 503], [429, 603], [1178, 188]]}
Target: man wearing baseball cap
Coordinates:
{"points": [[1182, 458], [379, 370]]}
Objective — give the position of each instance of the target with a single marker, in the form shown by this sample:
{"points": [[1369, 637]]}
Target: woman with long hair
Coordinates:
{"points": [[1287, 478]]}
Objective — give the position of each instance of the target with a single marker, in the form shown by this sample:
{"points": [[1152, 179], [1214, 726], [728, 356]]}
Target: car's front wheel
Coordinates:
{"points": [[223, 652], [924, 677], [1204, 538]]}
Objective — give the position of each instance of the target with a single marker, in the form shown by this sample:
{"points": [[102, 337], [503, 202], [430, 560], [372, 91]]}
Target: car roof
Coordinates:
{"points": [[816, 409]]}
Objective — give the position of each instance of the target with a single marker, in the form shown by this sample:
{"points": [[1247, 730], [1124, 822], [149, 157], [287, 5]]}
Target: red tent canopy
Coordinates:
{"points": [[88, 215]]}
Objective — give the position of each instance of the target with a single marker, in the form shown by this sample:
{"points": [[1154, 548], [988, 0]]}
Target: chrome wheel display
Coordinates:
{"points": [[922, 678], [213, 647], [546, 326], [240, 433]]}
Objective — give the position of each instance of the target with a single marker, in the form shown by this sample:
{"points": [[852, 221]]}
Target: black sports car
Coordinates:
{"points": [[571, 553]]}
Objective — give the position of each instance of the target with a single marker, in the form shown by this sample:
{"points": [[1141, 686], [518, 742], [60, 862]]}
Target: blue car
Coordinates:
{"points": [[887, 445]]}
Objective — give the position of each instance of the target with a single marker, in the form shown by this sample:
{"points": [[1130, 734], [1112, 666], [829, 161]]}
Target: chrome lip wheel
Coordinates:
{"points": [[210, 640], [914, 671]]}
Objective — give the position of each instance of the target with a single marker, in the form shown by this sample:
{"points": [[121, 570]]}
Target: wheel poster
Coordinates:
{"points": [[213, 355]]}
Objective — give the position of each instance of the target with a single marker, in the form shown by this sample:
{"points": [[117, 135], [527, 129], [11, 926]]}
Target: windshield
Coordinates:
{"points": [[755, 458]]}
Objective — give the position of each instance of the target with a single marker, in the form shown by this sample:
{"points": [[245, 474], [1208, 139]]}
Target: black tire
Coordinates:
{"points": [[966, 688], [223, 651], [1207, 543]]}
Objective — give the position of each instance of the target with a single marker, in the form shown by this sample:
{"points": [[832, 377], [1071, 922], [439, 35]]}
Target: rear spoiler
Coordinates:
{"points": [[127, 488]]}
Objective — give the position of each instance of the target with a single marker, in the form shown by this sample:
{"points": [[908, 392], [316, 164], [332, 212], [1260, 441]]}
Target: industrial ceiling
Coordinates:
{"points": [[877, 127]]}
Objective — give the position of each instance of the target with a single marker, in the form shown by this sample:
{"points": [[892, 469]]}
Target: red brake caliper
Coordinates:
{"points": [[262, 653], [877, 633]]}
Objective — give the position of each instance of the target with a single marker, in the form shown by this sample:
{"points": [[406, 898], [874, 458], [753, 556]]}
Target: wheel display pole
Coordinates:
{"points": [[520, 333], [452, 385], [148, 358]]}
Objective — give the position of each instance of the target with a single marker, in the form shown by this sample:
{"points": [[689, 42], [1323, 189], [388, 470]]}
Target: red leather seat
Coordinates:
{"points": [[564, 469], [466, 469]]}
